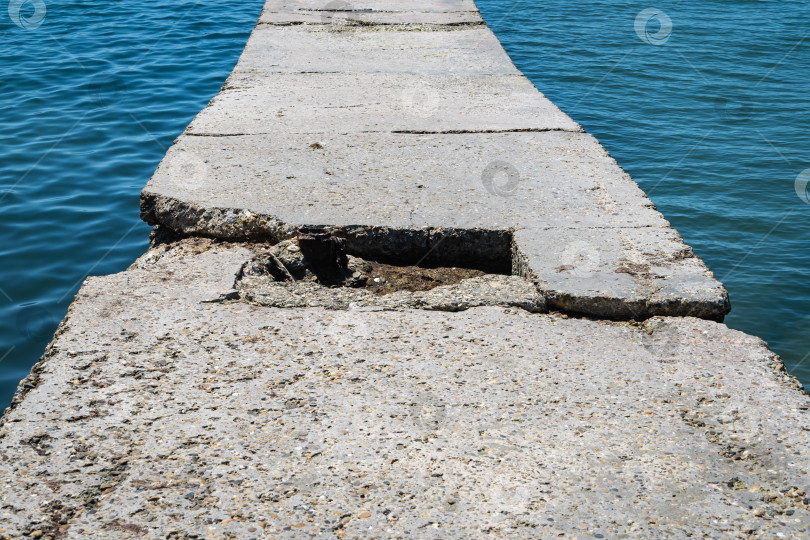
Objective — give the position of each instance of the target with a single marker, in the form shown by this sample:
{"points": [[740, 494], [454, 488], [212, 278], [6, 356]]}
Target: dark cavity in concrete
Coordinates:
{"points": [[319, 256]]}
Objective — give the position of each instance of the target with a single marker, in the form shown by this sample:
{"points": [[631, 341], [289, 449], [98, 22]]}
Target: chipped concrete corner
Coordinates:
{"points": [[393, 291]]}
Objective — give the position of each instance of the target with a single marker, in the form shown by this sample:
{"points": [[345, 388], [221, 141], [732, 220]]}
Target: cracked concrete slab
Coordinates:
{"points": [[160, 411], [353, 103], [552, 190], [172, 403], [413, 143]]}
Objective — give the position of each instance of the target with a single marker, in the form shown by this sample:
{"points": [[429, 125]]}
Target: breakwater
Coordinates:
{"points": [[568, 375]]}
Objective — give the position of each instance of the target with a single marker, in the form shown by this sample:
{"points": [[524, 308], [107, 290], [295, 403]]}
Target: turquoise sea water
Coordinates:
{"points": [[703, 103]]}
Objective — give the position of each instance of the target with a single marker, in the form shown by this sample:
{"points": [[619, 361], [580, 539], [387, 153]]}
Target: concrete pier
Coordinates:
{"points": [[574, 379]]}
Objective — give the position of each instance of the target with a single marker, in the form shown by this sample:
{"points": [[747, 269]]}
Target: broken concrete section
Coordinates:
{"points": [[417, 140], [168, 407], [399, 196]]}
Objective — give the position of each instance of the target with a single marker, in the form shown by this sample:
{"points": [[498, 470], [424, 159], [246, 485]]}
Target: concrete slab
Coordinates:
{"points": [[406, 181], [354, 103], [173, 402], [342, 19], [340, 12], [378, 6], [163, 409], [311, 49], [626, 273]]}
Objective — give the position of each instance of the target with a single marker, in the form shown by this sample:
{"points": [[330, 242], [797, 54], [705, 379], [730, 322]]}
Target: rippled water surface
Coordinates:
{"points": [[705, 103], [91, 96]]}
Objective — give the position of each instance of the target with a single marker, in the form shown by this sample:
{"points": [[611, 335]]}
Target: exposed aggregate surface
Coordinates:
{"points": [[166, 408]]}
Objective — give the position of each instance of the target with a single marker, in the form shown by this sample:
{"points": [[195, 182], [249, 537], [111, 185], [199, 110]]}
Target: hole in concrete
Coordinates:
{"points": [[479, 249], [279, 275], [318, 255]]}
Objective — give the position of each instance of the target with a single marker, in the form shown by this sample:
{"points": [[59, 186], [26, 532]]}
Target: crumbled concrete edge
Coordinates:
{"points": [[483, 249], [32, 380], [619, 309], [225, 223], [661, 323]]}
